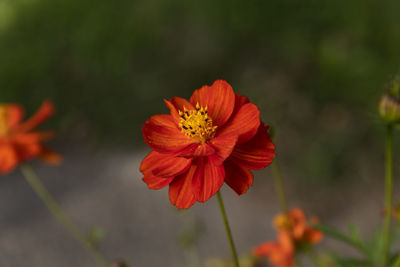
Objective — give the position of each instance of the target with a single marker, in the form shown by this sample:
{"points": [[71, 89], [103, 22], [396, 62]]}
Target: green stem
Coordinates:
{"points": [[388, 196], [276, 173], [228, 230], [52, 205]]}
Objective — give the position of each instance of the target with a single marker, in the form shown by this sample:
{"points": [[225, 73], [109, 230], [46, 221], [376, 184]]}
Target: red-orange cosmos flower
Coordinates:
{"points": [[294, 234], [215, 137], [18, 141]]}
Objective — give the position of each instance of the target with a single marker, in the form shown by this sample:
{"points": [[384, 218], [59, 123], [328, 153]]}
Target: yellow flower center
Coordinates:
{"points": [[282, 222], [196, 124], [3, 121]]}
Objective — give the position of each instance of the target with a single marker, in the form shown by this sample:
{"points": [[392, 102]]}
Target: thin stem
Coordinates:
{"points": [[56, 210], [388, 196], [228, 230], [276, 173]]}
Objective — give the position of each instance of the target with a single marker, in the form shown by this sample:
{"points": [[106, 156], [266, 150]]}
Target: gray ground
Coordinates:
{"points": [[142, 226]]}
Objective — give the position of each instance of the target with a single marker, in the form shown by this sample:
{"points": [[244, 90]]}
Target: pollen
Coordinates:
{"points": [[197, 124], [3, 121]]}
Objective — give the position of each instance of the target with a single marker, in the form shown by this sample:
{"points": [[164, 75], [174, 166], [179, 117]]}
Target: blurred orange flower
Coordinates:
{"points": [[280, 253], [215, 137], [18, 141], [295, 222], [294, 234]]}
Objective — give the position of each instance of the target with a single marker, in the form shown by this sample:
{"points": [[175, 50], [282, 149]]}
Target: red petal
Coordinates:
{"points": [[208, 179], [240, 100], [204, 149], [219, 98], [176, 104], [181, 103], [156, 182], [162, 134], [44, 112], [245, 123], [196, 150], [173, 111], [33, 137], [223, 146], [8, 158], [49, 156], [164, 165], [28, 145], [180, 190], [28, 151], [257, 153], [14, 113], [237, 177]]}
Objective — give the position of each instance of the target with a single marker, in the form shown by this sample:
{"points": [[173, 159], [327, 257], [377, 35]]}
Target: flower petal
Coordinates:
{"points": [[203, 149], [286, 241], [223, 146], [14, 113], [32, 137], [208, 179], [8, 158], [43, 113], [257, 153], [181, 103], [164, 165], [299, 222], [240, 100], [237, 177], [28, 145], [49, 156], [176, 104], [219, 98], [162, 134], [265, 249], [180, 190], [156, 183], [196, 150], [245, 123]]}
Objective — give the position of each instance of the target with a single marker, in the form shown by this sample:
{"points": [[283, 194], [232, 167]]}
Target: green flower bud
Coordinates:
{"points": [[389, 104]]}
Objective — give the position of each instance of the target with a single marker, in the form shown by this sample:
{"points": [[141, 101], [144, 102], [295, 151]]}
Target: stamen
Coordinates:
{"points": [[196, 123]]}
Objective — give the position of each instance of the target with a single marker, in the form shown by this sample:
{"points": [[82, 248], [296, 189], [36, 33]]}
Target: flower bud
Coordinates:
{"points": [[389, 104]]}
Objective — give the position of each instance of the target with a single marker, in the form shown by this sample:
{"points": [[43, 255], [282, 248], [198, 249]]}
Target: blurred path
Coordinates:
{"points": [[141, 225]]}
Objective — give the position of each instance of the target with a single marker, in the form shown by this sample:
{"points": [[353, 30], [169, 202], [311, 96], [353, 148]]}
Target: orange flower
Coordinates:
{"points": [[280, 253], [295, 223], [18, 141], [215, 137], [294, 234]]}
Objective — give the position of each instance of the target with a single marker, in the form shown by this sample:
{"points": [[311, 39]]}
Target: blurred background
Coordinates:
{"points": [[315, 69]]}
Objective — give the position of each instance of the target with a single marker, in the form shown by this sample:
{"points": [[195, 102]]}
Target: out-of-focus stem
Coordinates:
{"points": [[388, 196], [228, 230], [280, 192], [56, 210]]}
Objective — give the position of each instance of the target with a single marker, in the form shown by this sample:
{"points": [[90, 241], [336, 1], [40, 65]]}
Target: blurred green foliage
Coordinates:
{"points": [[315, 68]]}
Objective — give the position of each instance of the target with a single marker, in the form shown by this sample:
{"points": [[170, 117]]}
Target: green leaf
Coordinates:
{"points": [[354, 232], [335, 234]]}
